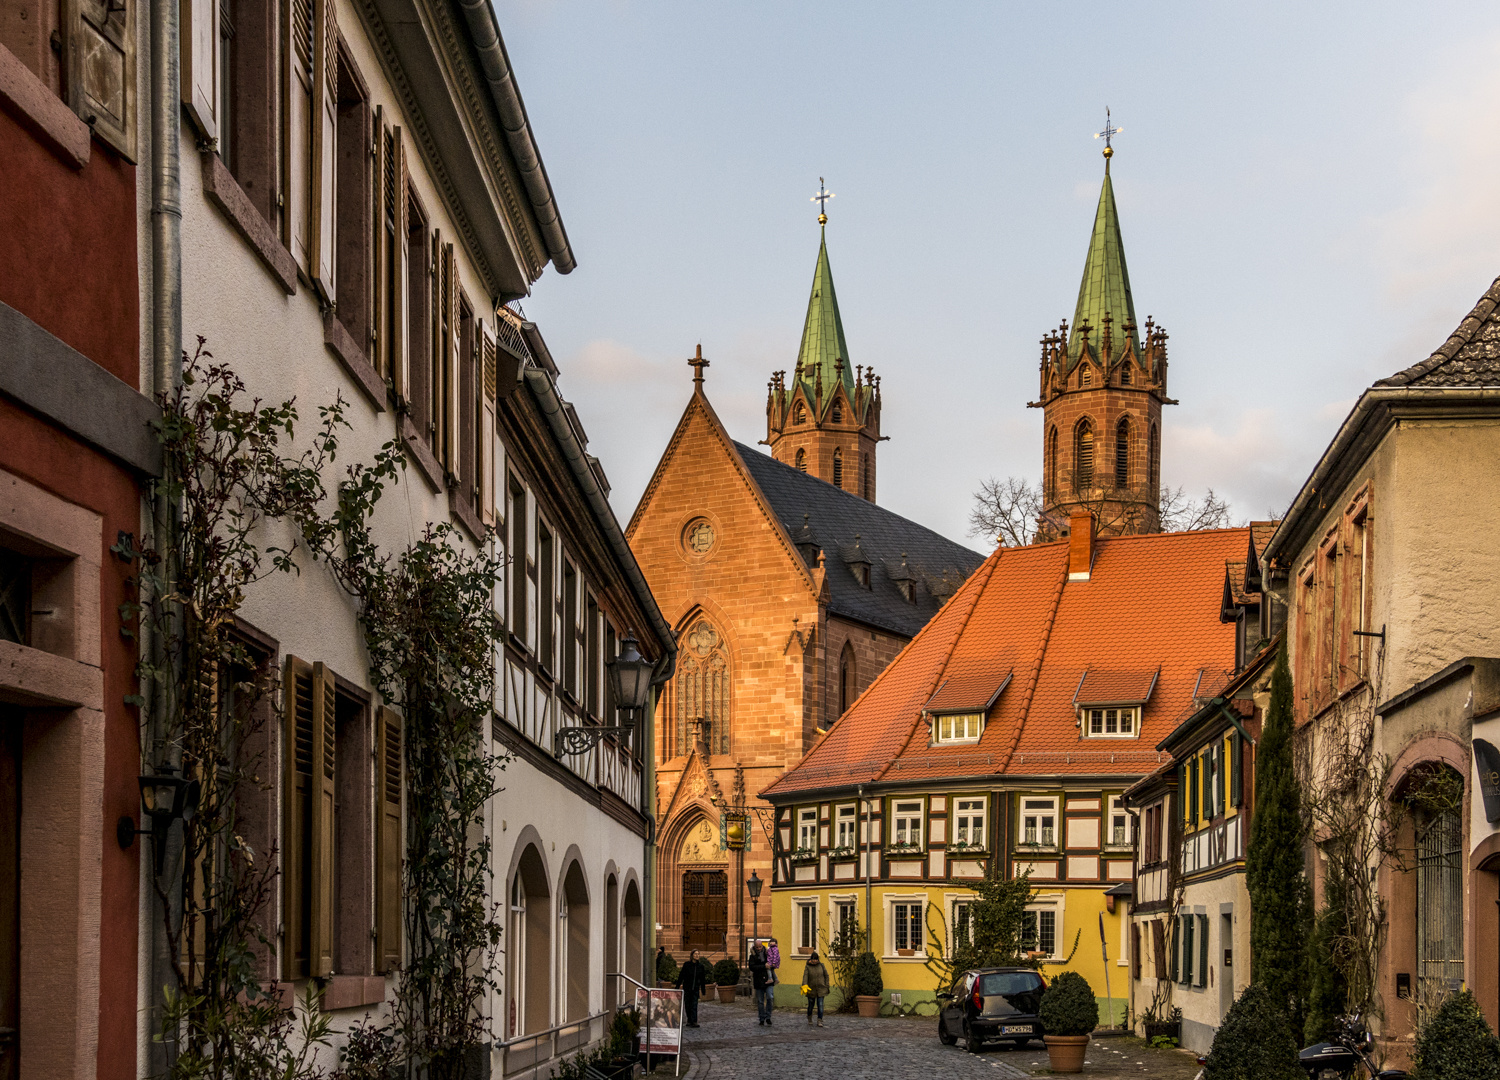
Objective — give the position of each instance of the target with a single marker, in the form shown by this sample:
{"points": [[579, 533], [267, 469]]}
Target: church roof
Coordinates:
{"points": [[852, 533], [1470, 356], [823, 331], [1105, 289]]}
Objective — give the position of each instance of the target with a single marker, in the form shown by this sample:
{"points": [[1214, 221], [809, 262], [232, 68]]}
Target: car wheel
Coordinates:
{"points": [[971, 1041], [943, 1036]]}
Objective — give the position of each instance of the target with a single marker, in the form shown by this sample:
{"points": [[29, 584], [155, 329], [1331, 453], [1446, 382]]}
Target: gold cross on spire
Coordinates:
{"points": [[1109, 132], [821, 198]]}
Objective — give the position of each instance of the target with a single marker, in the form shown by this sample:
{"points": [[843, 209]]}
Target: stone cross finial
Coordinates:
{"points": [[698, 363]]}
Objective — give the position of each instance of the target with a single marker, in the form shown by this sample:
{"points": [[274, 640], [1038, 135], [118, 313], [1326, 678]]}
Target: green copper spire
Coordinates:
{"points": [[1106, 282], [823, 332]]}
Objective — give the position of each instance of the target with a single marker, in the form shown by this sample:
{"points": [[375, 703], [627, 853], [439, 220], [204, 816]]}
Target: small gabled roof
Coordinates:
{"points": [[1115, 687], [1470, 356], [970, 691]]}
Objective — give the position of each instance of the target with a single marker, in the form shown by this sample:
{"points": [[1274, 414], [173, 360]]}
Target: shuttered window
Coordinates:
{"points": [[1083, 455], [389, 751], [1202, 971], [1159, 948], [308, 845]]}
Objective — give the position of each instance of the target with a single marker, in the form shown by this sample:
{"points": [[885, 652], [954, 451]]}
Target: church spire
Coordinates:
{"points": [[1105, 289], [823, 331]]}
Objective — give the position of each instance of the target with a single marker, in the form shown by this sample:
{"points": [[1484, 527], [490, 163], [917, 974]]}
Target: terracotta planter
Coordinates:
{"points": [[869, 1004], [726, 994], [1065, 1052], [664, 984]]}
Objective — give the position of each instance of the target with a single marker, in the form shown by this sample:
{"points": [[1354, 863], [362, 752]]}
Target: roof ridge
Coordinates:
{"points": [[1461, 336], [1036, 669]]}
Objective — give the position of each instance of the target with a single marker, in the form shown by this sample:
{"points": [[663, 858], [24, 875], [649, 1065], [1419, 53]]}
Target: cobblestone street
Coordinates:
{"points": [[730, 1045]]}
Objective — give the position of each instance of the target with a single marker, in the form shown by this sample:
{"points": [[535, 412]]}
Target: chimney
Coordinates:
{"points": [[1080, 545]]}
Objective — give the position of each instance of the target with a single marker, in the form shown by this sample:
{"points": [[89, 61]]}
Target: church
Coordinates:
{"points": [[789, 589]]}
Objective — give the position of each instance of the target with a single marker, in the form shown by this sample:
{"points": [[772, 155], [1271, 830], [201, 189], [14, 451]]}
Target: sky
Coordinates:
{"points": [[1306, 193]]}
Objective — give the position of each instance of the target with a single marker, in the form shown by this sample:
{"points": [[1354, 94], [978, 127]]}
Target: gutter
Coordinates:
{"points": [[484, 29]]}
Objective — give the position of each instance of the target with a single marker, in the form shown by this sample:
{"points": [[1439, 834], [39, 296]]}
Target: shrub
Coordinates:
{"points": [[666, 967], [727, 972], [622, 1033], [1068, 1006], [1456, 1043], [867, 980], [1254, 1042]]}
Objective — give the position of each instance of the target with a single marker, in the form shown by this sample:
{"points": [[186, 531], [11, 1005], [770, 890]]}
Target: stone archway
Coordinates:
{"points": [[529, 966], [634, 941], [611, 941], [698, 880], [575, 912]]}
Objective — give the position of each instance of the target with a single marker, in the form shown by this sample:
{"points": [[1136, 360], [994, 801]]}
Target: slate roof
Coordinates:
{"points": [[1470, 356], [835, 518], [1151, 602]]}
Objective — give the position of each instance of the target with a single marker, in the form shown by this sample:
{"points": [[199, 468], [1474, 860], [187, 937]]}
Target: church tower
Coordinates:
{"points": [[1103, 384], [825, 420]]}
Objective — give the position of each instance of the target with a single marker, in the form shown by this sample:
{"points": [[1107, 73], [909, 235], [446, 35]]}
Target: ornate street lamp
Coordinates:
{"points": [[754, 885], [165, 798], [630, 680]]}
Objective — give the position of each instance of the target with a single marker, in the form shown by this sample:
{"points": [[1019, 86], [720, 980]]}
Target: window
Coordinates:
{"points": [[519, 582], [807, 829], [466, 455], [838, 412], [1039, 822], [802, 459], [1211, 782], [1122, 453], [1439, 908], [906, 824], [1086, 377], [846, 678], [906, 927], [968, 822], [846, 833], [799, 414], [1119, 823], [418, 339], [1151, 825], [1153, 458], [961, 727], [1083, 455], [353, 200], [807, 926], [1039, 929], [1116, 723], [570, 629], [1125, 376], [845, 925], [702, 688], [960, 924], [591, 646], [546, 614], [838, 467]]}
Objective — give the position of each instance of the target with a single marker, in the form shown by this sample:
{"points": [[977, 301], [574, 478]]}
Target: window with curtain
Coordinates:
{"points": [[702, 689]]}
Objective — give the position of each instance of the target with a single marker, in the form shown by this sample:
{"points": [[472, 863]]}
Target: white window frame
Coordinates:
{"points": [[836, 901], [846, 826], [801, 906], [954, 903], [957, 728], [970, 815], [908, 822], [1030, 807], [1053, 903], [1110, 721], [1117, 810], [807, 828], [906, 900]]}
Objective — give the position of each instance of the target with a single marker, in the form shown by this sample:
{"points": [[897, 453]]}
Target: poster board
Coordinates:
{"points": [[661, 1021]]}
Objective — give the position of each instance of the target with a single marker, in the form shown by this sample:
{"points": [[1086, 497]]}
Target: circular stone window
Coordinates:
{"points": [[698, 537]]}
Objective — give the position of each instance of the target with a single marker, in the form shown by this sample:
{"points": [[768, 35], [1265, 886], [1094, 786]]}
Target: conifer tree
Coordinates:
{"points": [[1274, 861]]}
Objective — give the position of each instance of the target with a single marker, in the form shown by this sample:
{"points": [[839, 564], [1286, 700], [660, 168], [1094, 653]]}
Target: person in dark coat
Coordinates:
{"points": [[760, 981], [691, 980]]}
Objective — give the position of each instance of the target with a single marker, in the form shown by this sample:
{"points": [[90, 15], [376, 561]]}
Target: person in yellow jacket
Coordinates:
{"points": [[815, 986]]}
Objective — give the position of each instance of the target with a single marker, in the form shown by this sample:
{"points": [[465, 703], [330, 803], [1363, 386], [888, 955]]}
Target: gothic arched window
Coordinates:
{"points": [[702, 689], [1122, 453], [864, 488], [802, 460], [1125, 374], [1052, 463], [799, 414], [1087, 378], [838, 412], [1153, 461], [1083, 455], [838, 468], [847, 691]]}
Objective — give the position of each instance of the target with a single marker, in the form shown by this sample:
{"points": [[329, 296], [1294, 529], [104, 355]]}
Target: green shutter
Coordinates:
{"points": [[1202, 950], [1172, 952], [1188, 928]]}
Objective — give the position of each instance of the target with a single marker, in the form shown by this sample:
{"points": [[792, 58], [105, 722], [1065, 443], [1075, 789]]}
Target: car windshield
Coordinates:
{"points": [[1010, 982]]}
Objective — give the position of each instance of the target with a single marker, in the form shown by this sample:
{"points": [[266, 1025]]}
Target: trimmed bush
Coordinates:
{"points": [[666, 968], [727, 972], [1068, 1006], [1254, 1042], [867, 979], [1456, 1044]]}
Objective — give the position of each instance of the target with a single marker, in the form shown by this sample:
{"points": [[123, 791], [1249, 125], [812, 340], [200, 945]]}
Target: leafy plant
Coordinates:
{"points": [[1068, 1006], [804, 854], [1254, 1041], [666, 967], [868, 981], [1163, 1042], [727, 972], [371, 1053], [578, 1066], [996, 929], [842, 953], [622, 1033], [1456, 1043]]}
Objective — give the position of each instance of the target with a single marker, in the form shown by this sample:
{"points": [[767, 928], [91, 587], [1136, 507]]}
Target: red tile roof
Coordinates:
{"points": [[1150, 610], [970, 691], [1116, 687]]}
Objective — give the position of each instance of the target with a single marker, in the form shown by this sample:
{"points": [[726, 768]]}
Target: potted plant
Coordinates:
{"points": [[1069, 1013], [845, 852], [804, 854], [1162, 1024], [868, 985], [666, 971], [622, 1040], [727, 976]]}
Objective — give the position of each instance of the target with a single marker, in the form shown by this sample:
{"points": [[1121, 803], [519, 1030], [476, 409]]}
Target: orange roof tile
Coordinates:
{"points": [[1149, 612], [970, 691]]}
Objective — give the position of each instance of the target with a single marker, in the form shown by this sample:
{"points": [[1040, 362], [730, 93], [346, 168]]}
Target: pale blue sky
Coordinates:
{"points": [[1307, 194]]}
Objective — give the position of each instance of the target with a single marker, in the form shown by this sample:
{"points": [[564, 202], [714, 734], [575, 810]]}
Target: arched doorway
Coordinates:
{"points": [[633, 940], [704, 878], [611, 941], [529, 967], [575, 917]]}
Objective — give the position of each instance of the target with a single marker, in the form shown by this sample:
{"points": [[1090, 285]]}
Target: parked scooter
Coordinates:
{"points": [[1349, 1050]]}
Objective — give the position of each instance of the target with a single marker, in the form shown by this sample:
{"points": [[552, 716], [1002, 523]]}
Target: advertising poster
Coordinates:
{"points": [[661, 1020]]}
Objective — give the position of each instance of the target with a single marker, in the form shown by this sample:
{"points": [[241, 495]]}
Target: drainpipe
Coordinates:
{"points": [[869, 918], [166, 376]]}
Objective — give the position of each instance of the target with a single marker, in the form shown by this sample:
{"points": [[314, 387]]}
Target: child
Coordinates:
{"points": [[773, 961]]}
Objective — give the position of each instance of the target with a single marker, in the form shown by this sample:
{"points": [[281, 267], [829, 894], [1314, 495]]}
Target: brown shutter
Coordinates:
{"points": [[487, 428], [325, 88], [400, 370], [321, 844], [199, 40], [296, 133], [99, 50], [297, 774], [1159, 948], [451, 404], [388, 765]]}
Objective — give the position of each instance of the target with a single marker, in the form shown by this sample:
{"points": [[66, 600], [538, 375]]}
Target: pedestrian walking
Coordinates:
{"points": [[691, 980], [815, 984], [760, 981]]}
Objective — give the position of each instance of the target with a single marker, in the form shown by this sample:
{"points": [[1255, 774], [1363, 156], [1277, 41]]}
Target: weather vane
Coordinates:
{"points": [[821, 198], [1109, 132]]}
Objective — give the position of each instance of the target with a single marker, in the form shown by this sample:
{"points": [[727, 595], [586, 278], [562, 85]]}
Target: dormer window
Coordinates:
{"points": [[957, 728], [799, 413], [1111, 723]]}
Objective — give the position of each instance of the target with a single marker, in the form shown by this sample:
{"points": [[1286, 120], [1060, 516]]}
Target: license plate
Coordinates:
{"points": [[1016, 1029]]}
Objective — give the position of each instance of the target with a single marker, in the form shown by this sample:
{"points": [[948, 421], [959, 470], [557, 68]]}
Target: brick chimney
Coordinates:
{"points": [[1080, 545]]}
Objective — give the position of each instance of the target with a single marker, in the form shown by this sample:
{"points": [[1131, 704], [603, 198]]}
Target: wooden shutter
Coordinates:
{"points": [[388, 765], [99, 49], [380, 222], [1135, 950], [1236, 769], [486, 455], [296, 129], [400, 373], [297, 775], [199, 42], [1159, 948], [325, 118], [321, 846], [451, 404], [1172, 951], [1202, 949]]}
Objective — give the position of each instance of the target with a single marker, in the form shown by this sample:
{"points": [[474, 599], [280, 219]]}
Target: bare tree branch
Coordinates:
{"points": [[1010, 510], [1182, 514], [1006, 510]]}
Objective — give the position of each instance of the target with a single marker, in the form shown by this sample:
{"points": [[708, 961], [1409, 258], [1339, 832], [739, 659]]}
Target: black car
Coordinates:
{"points": [[989, 1004]]}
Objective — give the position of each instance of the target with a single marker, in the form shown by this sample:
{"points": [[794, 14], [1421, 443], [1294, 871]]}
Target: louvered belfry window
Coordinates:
{"points": [[1122, 453], [702, 689], [1083, 455]]}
